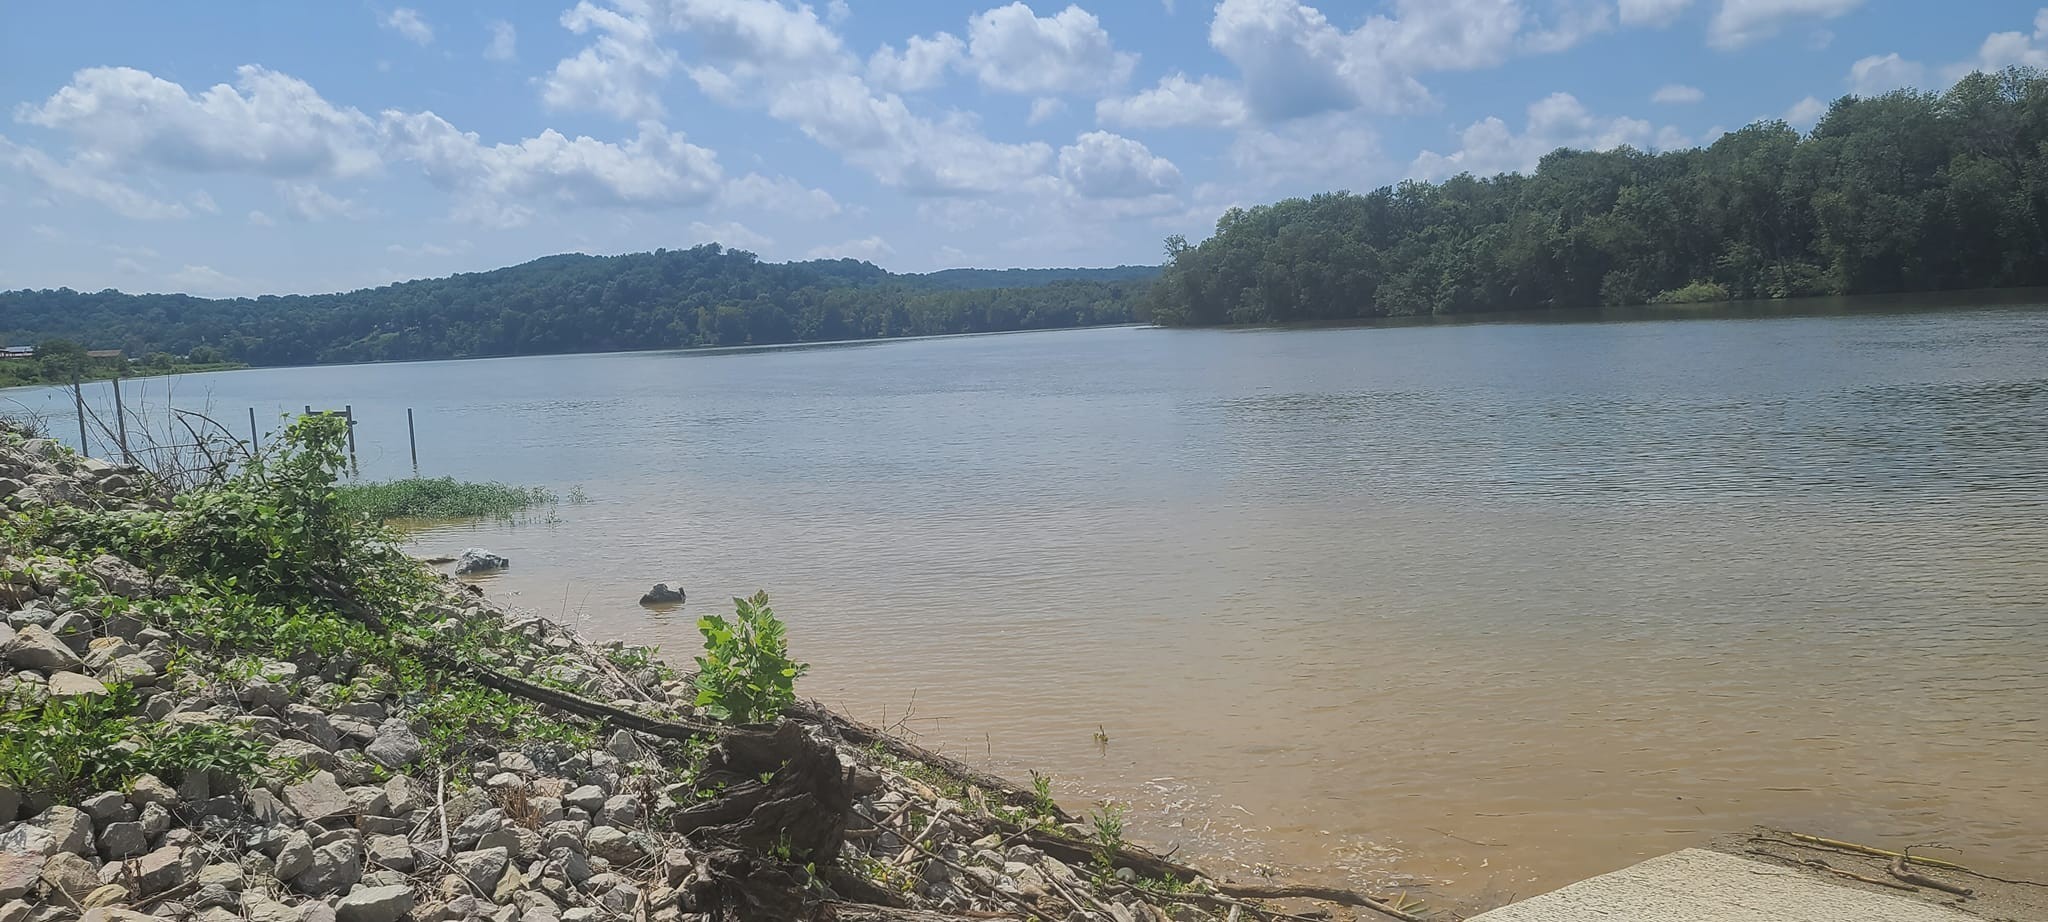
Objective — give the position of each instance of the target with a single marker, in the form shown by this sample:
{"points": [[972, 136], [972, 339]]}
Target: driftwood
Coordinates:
{"points": [[860, 912], [860, 734], [1873, 852], [1898, 870]]}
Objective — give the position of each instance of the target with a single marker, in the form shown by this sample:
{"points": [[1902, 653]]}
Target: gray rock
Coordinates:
{"points": [[105, 895], [34, 647], [517, 762], [288, 752], [214, 898], [316, 912], [119, 577], [167, 867], [395, 746], [10, 804], [336, 866], [70, 827], [149, 789], [368, 800], [620, 810], [258, 907], [626, 747], [570, 864], [317, 797], [155, 820], [312, 724], [661, 594], [123, 840], [136, 669], [589, 797], [564, 834], [478, 560], [18, 874], [618, 846], [261, 694], [354, 731], [579, 914], [484, 867], [107, 807], [406, 794], [229, 877], [75, 629], [620, 899], [294, 857], [265, 808], [73, 685], [374, 904], [394, 852]]}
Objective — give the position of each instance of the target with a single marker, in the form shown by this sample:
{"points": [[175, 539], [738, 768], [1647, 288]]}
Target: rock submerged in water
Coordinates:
{"points": [[661, 594], [478, 560]]}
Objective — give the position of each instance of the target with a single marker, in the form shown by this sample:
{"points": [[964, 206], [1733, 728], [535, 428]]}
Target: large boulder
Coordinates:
{"points": [[34, 647], [478, 560]]}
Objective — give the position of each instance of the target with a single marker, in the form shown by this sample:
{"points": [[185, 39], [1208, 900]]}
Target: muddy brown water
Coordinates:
{"points": [[1478, 608]]}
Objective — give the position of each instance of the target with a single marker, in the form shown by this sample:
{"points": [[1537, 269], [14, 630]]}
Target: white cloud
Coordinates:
{"points": [[203, 201], [1177, 102], [407, 22], [75, 181], [922, 64], [620, 74], [781, 195], [1883, 73], [267, 123], [868, 248], [657, 169], [1045, 107], [1677, 94], [1015, 50], [1489, 146], [308, 202], [1104, 165], [427, 249], [2006, 49], [1805, 113], [837, 11], [1741, 22], [1651, 12], [504, 44], [1573, 24], [881, 135], [730, 234], [260, 219], [1333, 150]]}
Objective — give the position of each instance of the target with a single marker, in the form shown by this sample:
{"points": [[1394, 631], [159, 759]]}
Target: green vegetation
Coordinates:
{"points": [[57, 360], [1906, 191], [264, 556], [1107, 836], [703, 296], [439, 498], [745, 675], [1695, 293], [67, 748]]}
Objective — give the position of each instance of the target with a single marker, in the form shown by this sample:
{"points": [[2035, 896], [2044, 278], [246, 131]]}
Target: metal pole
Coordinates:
{"points": [[78, 396], [413, 441], [252, 430], [121, 420], [348, 414]]}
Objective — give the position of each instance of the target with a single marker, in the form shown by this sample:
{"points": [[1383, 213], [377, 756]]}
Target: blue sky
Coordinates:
{"points": [[243, 148]]}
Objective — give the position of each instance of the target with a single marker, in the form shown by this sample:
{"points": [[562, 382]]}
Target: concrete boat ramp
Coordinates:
{"points": [[1696, 885]]}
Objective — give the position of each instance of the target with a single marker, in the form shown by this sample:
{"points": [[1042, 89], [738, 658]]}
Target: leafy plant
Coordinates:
{"points": [[71, 747], [440, 498], [745, 675], [1108, 836], [1043, 806]]}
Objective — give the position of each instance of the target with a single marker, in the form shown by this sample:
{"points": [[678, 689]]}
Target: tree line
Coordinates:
{"points": [[1907, 191], [703, 296]]}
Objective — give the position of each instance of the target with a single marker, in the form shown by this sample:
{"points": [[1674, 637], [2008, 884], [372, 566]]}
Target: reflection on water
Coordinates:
{"points": [[1488, 607]]}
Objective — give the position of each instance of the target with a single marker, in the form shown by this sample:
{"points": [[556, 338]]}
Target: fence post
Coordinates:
{"points": [[413, 441], [348, 415], [121, 420], [78, 397], [252, 430]]}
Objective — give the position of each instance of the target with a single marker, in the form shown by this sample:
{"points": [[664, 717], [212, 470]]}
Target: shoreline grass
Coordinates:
{"points": [[441, 498]]}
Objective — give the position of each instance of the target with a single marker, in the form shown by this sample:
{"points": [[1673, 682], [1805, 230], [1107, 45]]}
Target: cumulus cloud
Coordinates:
{"points": [[1489, 146], [656, 169], [266, 123], [406, 21], [619, 74], [868, 248], [1742, 22], [1015, 50], [308, 202], [1677, 94], [260, 219], [1177, 102], [2006, 49], [1100, 164], [1883, 73], [206, 280], [920, 66], [729, 234], [76, 181], [781, 195], [1805, 113], [1574, 23], [504, 44], [1333, 150]]}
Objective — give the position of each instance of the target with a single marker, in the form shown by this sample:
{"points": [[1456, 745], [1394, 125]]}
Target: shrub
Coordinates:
{"points": [[71, 747], [1695, 293], [439, 498], [745, 675]]}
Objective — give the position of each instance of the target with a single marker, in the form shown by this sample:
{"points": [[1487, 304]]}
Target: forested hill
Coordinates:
{"points": [[703, 296], [1907, 191]]}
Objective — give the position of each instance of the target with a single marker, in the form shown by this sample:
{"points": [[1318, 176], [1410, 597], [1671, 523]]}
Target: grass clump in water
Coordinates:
{"points": [[440, 498]]}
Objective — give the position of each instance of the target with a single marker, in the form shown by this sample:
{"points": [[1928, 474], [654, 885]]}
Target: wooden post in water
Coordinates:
{"points": [[252, 431], [412, 441], [348, 416], [121, 420], [78, 397]]}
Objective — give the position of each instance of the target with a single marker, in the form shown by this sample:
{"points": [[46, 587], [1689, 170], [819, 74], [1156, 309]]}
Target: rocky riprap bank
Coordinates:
{"points": [[581, 783]]}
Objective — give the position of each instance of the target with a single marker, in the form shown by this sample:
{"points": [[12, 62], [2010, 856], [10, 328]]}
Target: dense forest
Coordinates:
{"points": [[703, 296], [1907, 191]]}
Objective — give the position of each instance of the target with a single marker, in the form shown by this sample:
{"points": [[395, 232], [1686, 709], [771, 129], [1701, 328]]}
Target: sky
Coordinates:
{"points": [[244, 148]]}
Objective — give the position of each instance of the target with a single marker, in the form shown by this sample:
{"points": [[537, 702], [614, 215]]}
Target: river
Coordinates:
{"points": [[1479, 609]]}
